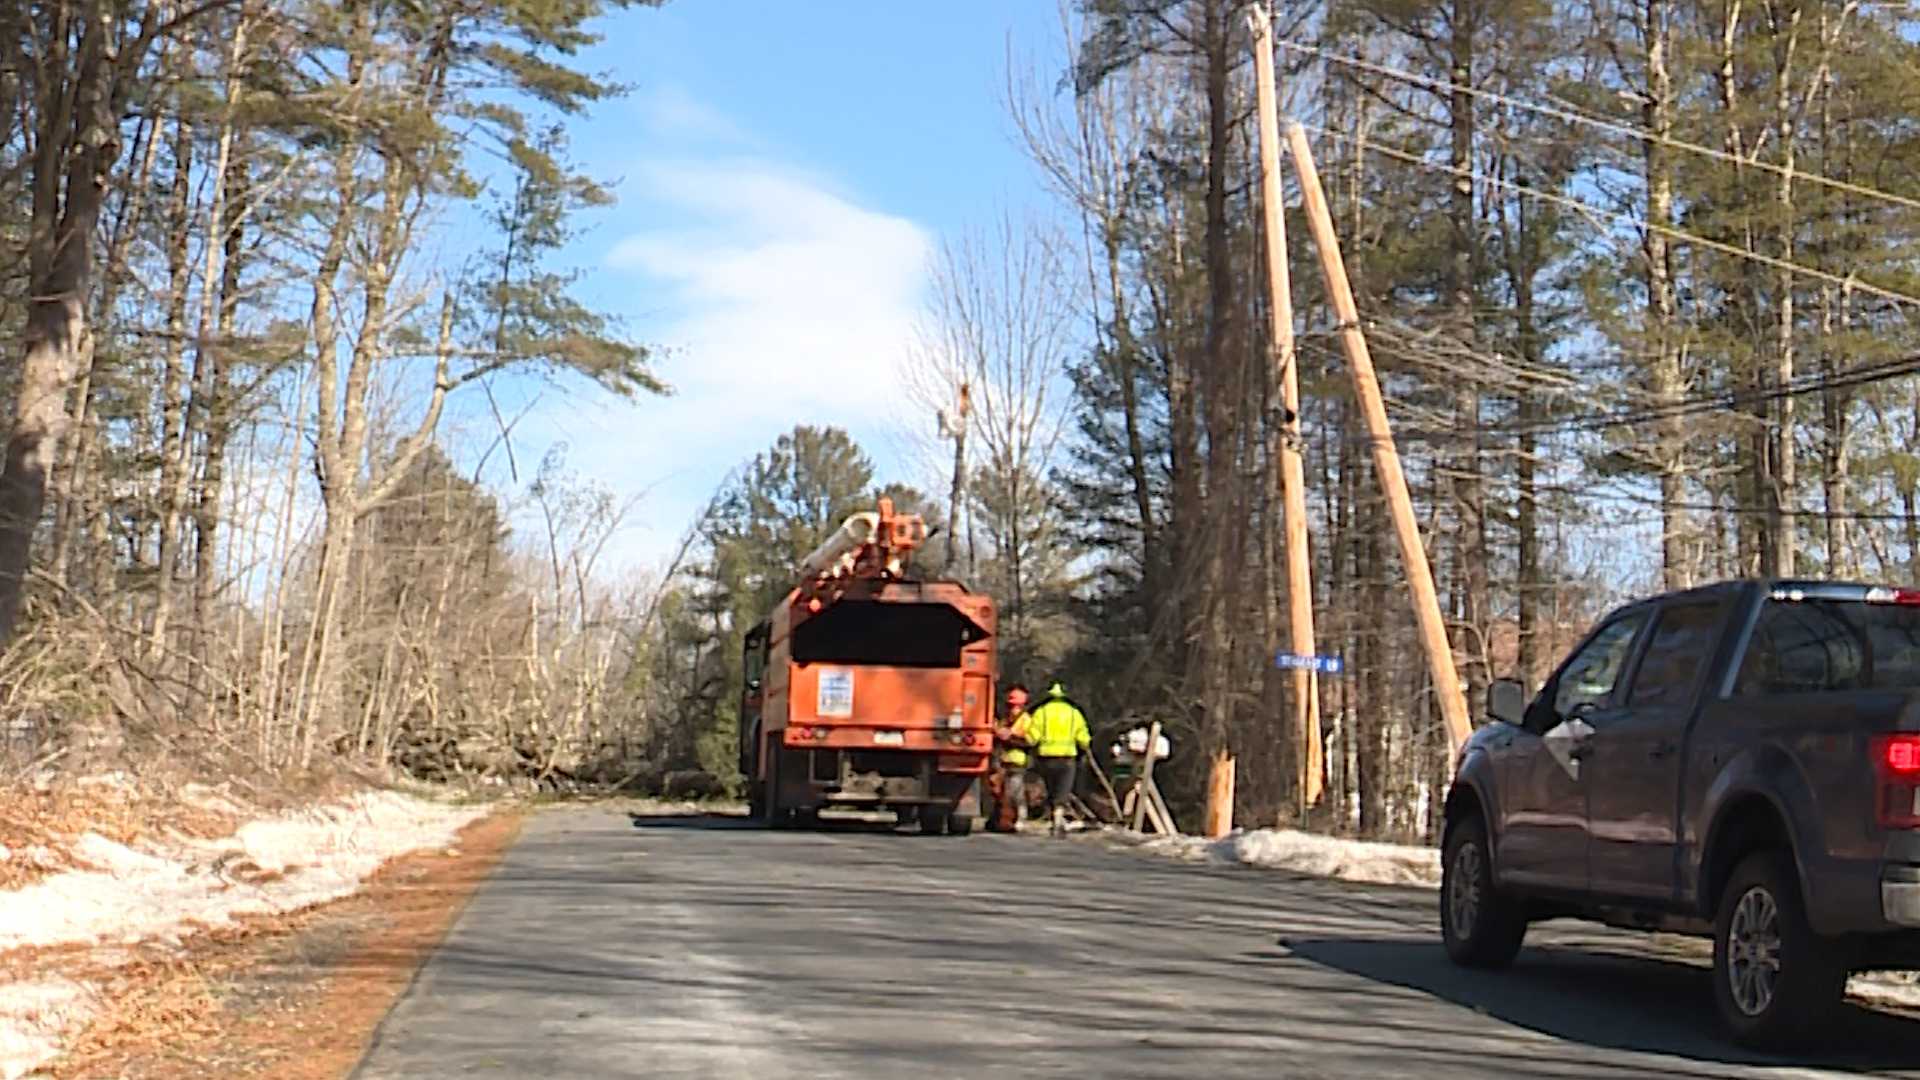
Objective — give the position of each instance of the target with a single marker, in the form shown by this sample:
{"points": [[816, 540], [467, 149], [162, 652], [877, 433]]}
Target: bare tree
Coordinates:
{"points": [[999, 329]]}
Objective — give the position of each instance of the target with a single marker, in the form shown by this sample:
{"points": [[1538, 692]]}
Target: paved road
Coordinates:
{"points": [[610, 946]]}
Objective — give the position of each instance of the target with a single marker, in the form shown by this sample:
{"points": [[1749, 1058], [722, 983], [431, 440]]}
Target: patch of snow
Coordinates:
{"points": [[1899, 989], [118, 780], [311, 856], [169, 891], [1306, 853], [5, 854], [202, 797], [33, 1017]]}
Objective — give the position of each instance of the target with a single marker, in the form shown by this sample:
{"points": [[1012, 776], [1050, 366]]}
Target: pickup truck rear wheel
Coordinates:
{"points": [[1481, 925], [1776, 982]]}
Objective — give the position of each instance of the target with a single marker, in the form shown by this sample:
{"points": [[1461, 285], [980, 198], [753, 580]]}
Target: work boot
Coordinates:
{"points": [[1059, 822]]}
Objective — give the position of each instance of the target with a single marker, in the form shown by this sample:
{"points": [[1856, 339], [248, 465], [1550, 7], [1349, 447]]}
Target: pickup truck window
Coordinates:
{"points": [[1811, 646], [1682, 641], [1590, 677]]}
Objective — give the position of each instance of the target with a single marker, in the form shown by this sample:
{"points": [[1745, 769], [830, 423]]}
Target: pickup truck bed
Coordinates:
{"points": [[1740, 760]]}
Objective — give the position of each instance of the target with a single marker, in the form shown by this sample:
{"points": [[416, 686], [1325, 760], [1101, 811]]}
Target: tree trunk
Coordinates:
{"points": [[74, 153], [1124, 366], [173, 387], [1670, 455], [1781, 448], [1219, 388], [210, 488], [1470, 545]]}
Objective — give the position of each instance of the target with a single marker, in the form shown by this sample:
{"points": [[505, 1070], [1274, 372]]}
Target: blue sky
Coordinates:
{"points": [[785, 171]]}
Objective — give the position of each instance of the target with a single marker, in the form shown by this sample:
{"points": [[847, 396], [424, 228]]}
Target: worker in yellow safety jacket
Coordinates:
{"points": [[1058, 730], [1010, 781]]}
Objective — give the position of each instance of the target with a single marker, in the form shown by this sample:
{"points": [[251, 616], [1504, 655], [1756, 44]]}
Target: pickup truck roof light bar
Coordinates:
{"points": [[1798, 591]]}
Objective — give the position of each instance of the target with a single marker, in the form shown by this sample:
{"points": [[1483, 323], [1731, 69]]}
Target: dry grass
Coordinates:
{"points": [[38, 826]]}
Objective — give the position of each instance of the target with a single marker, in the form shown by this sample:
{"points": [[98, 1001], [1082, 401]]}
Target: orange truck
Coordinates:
{"points": [[867, 688]]}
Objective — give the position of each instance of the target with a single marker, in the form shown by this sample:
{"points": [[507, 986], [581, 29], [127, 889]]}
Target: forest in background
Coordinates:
{"points": [[1635, 273]]}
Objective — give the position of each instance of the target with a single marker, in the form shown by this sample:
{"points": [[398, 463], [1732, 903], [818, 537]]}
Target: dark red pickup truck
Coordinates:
{"points": [[1741, 761]]}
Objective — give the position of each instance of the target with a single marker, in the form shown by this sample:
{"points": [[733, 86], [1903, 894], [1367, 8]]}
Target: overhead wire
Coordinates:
{"points": [[1847, 281], [1569, 115], [1686, 407]]}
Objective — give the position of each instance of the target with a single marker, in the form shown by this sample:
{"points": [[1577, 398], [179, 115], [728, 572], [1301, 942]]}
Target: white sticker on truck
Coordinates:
{"points": [[836, 694]]}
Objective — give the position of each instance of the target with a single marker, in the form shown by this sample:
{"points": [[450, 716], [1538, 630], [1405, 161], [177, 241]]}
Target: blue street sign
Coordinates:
{"points": [[1325, 665]]}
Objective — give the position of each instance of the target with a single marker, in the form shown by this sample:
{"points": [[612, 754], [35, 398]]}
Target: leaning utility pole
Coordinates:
{"points": [[1306, 686], [1386, 460]]}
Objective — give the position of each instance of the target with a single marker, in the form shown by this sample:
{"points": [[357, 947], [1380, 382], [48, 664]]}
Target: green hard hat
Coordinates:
{"points": [[1056, 690]]}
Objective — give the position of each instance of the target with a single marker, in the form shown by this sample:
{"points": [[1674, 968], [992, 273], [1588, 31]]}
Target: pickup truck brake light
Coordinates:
{"points": [[1883, 595], [1896, 759]]}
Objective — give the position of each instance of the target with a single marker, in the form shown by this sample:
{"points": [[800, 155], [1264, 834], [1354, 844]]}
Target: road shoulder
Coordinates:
{"points": [[297, 997]]}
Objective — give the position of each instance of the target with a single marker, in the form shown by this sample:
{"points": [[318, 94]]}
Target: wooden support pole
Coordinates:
{"points": [[1113, 797], [1144, 781], [1293, 482], [1386, 460], [1158, 814], [1220, 796]]}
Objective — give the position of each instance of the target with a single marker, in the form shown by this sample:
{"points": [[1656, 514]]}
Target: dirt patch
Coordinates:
{"points": [[296, 997]]}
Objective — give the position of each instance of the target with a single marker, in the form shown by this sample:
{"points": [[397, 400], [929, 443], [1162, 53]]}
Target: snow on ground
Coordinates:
{"points": [[1306, 853], [165, 892], [32, 1017], [1372, 863]]}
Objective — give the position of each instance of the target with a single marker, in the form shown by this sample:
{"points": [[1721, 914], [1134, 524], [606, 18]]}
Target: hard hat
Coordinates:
{"points": [[1016, 695], [1056, 690]]}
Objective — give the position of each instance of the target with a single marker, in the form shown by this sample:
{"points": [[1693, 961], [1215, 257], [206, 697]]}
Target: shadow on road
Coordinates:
{"points": [[713, 821], [1621, 1002], [702, 821]]}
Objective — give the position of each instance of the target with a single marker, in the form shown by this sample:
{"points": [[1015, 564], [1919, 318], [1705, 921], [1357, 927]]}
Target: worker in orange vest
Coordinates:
{"points": [[1010, 779]]}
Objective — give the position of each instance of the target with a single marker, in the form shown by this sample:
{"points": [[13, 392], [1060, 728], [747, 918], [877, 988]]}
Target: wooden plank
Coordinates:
{"points": [[1146, 775]]}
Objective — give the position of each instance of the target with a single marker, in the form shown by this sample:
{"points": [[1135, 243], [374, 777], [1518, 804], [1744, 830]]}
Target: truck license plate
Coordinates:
{"points": [[890, 738]]}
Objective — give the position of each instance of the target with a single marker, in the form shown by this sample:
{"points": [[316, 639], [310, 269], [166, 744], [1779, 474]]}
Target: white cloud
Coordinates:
{"points": [[672, 112], [786, 302]]}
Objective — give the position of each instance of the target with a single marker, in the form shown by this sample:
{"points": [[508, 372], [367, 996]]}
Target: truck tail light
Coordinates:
{"points": [[1896, 760], [1882, 595]]}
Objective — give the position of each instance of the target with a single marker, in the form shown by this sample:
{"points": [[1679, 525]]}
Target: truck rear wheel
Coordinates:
{"points": [[1775, 981], [1481, 926], [933, 819], [960, 824]]}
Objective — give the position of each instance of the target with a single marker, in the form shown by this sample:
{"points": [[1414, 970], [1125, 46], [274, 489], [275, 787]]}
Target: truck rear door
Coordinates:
{"points": [[1633, 759]]}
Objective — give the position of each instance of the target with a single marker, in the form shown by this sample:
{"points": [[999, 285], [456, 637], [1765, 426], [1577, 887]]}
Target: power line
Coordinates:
{"points": [[1588, 209], [1613, 126], [1682, 408]]}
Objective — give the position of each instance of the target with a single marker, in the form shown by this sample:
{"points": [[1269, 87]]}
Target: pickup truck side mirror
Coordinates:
{"points": [[1507, 701]]}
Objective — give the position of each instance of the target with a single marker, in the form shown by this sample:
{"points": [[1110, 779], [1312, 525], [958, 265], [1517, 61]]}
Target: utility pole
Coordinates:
{"points": [[1386, 459], [1306, 684], [955, 427]]}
